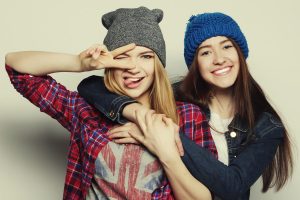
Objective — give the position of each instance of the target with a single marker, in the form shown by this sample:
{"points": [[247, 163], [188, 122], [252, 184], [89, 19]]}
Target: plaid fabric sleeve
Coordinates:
{"points": [[164, 192], [193, 124], [44, 92]]}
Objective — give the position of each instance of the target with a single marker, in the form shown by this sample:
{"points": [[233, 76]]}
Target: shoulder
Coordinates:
{"points": [[268, 125], [185, 106], [91, 82], [93, 79], [268, 120]]}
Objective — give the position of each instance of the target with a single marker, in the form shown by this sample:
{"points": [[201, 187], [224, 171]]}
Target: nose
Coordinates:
{"points": [[219, 58], [135, 69]]}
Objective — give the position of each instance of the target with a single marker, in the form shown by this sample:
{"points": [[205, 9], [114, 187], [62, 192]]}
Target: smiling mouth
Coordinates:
{"points": [[222, 71]]}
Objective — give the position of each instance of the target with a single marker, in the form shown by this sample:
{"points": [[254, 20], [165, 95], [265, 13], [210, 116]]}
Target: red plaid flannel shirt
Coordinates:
{"points": [[88, 129]]}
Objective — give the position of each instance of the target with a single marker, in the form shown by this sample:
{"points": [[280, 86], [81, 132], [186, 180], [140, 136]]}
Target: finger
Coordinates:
{"points": [[128, 124], [96, 48], [123, 134], [91, 49], [159, 117], [94, 62], [123, 49], [118, 129], [168, 121], [126, 141], [141, 121], [96, 54], [138, 137], [121, 65], [88, 51], [101, 48], [150, 117]]}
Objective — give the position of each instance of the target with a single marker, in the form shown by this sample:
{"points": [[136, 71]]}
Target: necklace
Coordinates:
{"points": [[217, 124], [213, 128]]}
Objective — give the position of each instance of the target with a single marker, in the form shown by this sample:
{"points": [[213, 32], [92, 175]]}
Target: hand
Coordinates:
{"points": [[120, 134], [98, 57], [129, 113], [159, 134]]}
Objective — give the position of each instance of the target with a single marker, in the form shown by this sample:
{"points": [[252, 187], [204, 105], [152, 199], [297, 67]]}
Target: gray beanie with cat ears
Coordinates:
{"points": [[135, 25]]}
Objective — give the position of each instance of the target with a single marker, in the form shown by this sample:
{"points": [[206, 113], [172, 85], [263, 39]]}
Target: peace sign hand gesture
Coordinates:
{"points": [[99, 57]]}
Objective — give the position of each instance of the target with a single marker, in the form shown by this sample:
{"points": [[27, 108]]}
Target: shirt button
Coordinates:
{"points": [[111, 114], [233, 134]]}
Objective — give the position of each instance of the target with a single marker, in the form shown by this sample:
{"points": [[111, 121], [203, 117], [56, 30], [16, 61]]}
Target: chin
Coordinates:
{"points": [[133, 95], [224, 85]]}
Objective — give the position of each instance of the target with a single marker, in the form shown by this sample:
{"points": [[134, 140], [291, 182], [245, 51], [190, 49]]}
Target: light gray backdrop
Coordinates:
{"points": [[33, 147]]}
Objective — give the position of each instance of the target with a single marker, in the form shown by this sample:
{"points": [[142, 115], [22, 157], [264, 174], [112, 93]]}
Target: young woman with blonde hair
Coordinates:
{"points": [[133, 56]]}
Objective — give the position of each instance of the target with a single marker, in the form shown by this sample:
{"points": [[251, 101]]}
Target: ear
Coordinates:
{"points": [[108, 18], [159, 14]]}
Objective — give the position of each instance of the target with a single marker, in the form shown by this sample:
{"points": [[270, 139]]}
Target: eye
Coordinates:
{"points": [[120, 57], [228, 46], [204, 53], [147, 56]]}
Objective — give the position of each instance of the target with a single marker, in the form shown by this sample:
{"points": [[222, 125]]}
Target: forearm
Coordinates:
{"points": [[42, 63], [229, 182], [184, 185]]}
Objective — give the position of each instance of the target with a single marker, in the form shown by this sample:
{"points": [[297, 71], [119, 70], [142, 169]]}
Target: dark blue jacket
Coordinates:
{"points": [[247, 160]]}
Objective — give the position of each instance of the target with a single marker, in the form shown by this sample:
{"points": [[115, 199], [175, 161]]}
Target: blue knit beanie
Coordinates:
{"points": [[207, 25]]}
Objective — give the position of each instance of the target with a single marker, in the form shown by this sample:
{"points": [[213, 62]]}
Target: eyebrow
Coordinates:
{"points": [[206, 46], [144, 52]]}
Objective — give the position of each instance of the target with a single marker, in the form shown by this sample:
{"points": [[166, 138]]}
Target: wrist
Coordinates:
{"points": [[170, 160], [81, 63], [129, 111]]}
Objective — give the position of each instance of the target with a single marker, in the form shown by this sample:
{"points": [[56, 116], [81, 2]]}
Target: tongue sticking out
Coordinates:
{"points": [[132, 82]]}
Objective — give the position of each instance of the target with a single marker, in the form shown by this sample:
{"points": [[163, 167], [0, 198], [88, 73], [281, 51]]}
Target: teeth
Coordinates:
{"points": [[222, 71], [133, 79]]}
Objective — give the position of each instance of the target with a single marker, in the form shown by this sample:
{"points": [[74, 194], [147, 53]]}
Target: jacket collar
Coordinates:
{"points": [[237, 123]]}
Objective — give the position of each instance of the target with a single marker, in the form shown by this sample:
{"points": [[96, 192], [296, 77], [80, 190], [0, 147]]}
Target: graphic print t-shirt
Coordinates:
{"points": [[125, 172]]}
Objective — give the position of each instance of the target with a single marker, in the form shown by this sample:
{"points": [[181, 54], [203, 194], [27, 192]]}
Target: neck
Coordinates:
{"points": [[144, 100], [222, 103]]}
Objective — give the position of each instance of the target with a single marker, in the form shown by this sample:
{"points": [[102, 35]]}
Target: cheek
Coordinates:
{"points": [[205, 61], [203, 67], [236, 62], [235, 56], [150, 71], [148, 68], [238, 66], [117, 76], [150, 77]]}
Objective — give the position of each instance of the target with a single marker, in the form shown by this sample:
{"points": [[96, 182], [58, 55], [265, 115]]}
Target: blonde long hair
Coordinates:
{"points": [[161, 95]]}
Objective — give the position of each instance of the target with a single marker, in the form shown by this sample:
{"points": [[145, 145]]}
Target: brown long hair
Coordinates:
{"points": [[249, 102], [161, 94]]}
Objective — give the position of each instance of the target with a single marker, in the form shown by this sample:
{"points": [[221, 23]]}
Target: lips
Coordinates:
{"points": [[222, 71], [132, 82]]}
